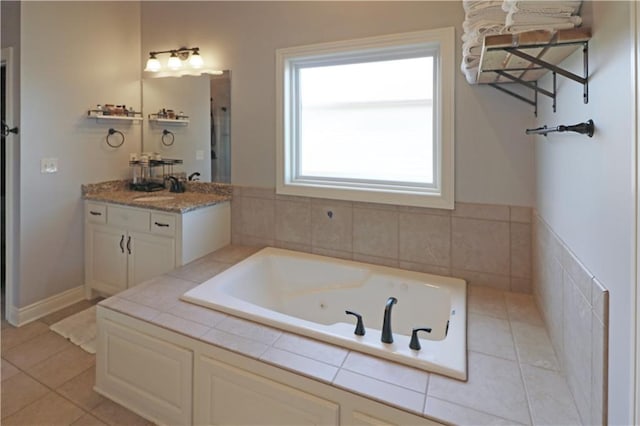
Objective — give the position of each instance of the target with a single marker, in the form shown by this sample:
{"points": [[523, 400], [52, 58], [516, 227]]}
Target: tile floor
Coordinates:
{"points": [[47, 380]]}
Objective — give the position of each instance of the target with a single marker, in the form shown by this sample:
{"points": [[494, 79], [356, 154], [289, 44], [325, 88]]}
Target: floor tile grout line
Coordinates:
{"points": [[55, 391], [4, 350], [49, 390]]}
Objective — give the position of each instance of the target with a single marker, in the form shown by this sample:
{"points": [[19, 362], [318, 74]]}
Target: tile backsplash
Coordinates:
{"points": [[488, 245]]}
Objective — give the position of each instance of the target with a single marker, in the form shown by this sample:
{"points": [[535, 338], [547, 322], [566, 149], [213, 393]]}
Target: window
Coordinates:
{"points": [[368, 119]]}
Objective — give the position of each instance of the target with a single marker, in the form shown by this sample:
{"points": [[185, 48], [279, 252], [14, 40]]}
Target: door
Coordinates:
{"points": [[106, 262], [149, 256]]}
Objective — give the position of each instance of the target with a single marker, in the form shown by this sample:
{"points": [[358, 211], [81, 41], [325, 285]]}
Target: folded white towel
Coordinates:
{"points": [[479, 30], [471, 49], [523, 28], [470, 61], [567, 8], [522, 18], [489, 14], [471, 74], [473, 5]]}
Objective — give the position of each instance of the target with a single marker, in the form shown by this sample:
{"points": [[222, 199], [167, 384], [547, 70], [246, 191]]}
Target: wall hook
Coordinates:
{"points": [[110, 133], [586, 128], [168, 137]]}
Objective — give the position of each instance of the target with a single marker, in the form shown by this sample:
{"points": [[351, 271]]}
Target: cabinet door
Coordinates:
{"points": [[228, 395], [145, 374], [149, 256], [106, 262]]}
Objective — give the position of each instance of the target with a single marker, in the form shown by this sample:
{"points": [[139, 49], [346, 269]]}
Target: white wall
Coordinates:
{"points": [[494, 160], [585, 186], [74, 55]]}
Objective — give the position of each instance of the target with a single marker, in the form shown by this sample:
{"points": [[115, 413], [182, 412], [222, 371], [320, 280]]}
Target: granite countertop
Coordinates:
{"points": [[197, 195], [514, 376]]}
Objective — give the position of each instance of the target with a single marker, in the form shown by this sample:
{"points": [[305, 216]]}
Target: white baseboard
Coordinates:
{"points": [[30, 313]]}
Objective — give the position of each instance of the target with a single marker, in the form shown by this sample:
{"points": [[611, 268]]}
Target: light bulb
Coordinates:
{"points": [[153, 64], [196, 60], [174, 62]]}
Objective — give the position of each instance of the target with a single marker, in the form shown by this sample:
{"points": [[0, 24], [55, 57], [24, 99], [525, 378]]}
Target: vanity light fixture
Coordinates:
{"points": [[153, 64], [176, 59], [174, 62]]}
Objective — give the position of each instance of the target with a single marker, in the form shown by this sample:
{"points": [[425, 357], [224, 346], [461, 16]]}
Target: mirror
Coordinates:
{"points": [[189, 118]]}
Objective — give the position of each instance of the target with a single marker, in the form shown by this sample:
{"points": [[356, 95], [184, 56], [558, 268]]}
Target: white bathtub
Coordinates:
{"points": [[308, 294]]}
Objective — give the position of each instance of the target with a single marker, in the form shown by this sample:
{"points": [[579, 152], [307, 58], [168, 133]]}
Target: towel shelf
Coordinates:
{"points": [[525, 57]]}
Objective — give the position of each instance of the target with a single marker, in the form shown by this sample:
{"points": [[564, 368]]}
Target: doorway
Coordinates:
{"points": [[3, 109], [8, 148]]}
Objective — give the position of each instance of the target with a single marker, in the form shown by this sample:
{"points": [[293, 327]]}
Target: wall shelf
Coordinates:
{"points": [[99, 115], [170, 121], [524, 58], [178, 120]]}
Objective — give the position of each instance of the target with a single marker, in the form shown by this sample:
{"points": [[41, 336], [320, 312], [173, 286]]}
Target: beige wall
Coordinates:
{"points": [[585, 186], [494, 160], [74, 56]]}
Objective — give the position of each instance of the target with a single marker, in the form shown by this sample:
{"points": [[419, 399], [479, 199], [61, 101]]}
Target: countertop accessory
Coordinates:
{"points": [[586, 128], [176, 185], [112, 144], [168, 137]]}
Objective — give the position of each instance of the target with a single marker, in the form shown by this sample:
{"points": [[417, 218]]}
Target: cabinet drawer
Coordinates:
{"points": [[95, 213], [135, 220], [163, 224]]}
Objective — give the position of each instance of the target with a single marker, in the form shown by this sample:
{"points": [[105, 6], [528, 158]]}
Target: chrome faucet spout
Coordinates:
{"points": [[387, 335]]}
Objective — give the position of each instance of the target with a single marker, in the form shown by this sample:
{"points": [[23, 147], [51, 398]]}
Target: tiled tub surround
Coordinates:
{"points": [[513, 371], [196, 195], [488, 245], [575, 309]]}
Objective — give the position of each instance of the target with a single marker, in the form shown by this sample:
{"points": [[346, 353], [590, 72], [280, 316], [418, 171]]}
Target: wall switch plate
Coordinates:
{"points": [[49, 165], [199, 154]]}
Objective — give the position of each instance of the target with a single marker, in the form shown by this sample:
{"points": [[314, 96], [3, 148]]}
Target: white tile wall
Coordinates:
{"points": [[574, 305]]}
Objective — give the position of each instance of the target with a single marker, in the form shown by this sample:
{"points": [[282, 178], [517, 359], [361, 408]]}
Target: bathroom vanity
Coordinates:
{"points": [[131, 237]]}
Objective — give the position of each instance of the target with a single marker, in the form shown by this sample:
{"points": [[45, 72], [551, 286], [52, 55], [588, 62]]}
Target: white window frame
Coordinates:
{"points": [[441, 194]]}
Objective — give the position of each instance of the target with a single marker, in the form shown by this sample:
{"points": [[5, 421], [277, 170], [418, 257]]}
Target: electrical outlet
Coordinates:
{"points": [[49, 165], [199, 154]]}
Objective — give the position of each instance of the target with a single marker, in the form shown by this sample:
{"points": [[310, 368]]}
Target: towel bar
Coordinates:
{"points": [[582, 128]]}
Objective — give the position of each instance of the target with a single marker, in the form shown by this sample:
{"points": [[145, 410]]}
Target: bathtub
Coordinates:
{"points": [[308, 294]]}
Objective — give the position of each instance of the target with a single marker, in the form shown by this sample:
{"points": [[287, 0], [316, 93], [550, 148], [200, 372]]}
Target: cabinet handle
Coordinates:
{"points": [[129, 244], [95, 213], [166, 225], [122, 243]]}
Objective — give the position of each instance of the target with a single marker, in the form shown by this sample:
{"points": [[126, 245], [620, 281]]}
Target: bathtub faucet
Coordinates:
{"points": [[387, 335]]}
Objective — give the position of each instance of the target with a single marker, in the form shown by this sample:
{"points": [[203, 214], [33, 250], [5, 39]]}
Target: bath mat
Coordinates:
{"points": [[80, 328]]}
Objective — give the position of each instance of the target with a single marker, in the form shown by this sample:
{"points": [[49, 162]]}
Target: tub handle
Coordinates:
{"points": [[415, 343], [359, 325]]}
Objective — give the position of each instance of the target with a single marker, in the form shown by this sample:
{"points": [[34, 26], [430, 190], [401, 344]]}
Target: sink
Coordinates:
{"points": [[155, 198]]}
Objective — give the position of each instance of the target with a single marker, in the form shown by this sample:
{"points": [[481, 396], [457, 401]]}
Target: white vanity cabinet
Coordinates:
{"points": [[125, 246]]}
